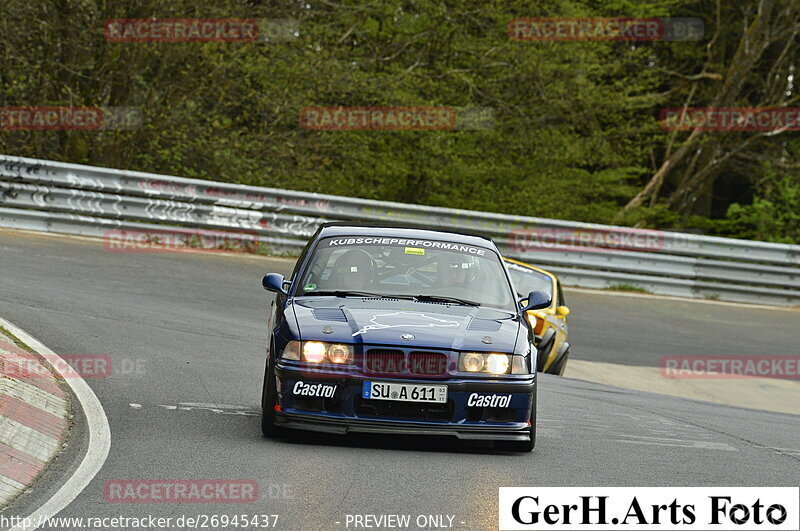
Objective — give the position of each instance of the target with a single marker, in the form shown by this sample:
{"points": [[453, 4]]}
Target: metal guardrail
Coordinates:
{"points": [[59, 197]]}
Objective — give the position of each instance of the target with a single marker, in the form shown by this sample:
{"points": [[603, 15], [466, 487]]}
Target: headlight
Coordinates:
{"points": [[314, 352], [318, 352], [498, 363], [473, 362], [339, 353], [492, 363]]}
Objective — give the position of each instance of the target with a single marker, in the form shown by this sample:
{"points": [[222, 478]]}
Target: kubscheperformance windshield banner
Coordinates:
{"points": [[412, 246]]}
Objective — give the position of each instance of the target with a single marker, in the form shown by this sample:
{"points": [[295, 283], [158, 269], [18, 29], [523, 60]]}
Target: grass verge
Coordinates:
{"points": [[14, 339], [627, 287]]}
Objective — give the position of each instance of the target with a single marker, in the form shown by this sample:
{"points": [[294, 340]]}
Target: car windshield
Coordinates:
{"points": [[436, 271], [527, 280]]}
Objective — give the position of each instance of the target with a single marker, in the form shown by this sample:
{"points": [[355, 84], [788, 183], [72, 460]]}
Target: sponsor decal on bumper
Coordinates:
{"points": [[315, 390], [481, 400]]}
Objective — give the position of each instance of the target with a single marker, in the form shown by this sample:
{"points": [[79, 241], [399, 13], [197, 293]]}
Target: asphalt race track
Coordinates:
{"points": [[185, 334]]}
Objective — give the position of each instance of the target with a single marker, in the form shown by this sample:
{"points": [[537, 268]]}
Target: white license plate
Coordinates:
{"points": [[401, 392]]}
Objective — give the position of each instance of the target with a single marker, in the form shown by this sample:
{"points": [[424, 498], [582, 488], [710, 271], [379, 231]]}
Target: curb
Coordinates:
{"points": [[35, 417], [97, 426]]}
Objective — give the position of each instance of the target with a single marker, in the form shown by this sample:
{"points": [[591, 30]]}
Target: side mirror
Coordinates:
{"points": [[273, 282], [537, 300], [562, 311]]}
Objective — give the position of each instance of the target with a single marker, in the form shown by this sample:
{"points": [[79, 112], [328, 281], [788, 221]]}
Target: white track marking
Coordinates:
{"points": [[224, 409], [657, 441], [99, 434]]}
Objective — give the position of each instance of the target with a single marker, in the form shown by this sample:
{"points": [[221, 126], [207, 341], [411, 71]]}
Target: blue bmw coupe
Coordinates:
{"points": [[391, 329]]}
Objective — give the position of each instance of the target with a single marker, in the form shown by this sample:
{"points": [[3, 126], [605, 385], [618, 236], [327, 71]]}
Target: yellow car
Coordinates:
{"points": [[549, 324]]}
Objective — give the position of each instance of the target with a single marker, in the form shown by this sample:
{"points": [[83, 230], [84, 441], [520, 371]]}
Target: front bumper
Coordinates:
{"points": [[344, 410]]}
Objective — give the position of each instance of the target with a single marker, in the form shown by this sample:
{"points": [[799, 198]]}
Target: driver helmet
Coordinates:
{"points": [[353, 270], [460, 270]]}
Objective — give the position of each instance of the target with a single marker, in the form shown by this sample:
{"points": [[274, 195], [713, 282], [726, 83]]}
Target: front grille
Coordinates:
{"points": [[428, 363], [385, 361], [403, 410]]}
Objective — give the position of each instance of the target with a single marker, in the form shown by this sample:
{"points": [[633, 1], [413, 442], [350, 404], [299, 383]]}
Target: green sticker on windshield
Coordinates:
{"points": [[310, 287]]}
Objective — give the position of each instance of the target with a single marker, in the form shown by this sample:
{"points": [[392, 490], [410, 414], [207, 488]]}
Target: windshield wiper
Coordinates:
{"points": [[347, 293], [439, 298], [423, 298]]}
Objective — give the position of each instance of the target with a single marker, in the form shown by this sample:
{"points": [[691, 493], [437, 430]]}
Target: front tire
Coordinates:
{"points": [[522, 446], [269, 398]]}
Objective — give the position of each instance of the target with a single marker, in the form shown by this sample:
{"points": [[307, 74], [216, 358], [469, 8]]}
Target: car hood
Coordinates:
{"points": [[387, 321]]}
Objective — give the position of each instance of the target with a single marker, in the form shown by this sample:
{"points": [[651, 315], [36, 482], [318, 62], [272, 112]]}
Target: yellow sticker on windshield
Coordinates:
{"points": [[415, 250]]}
